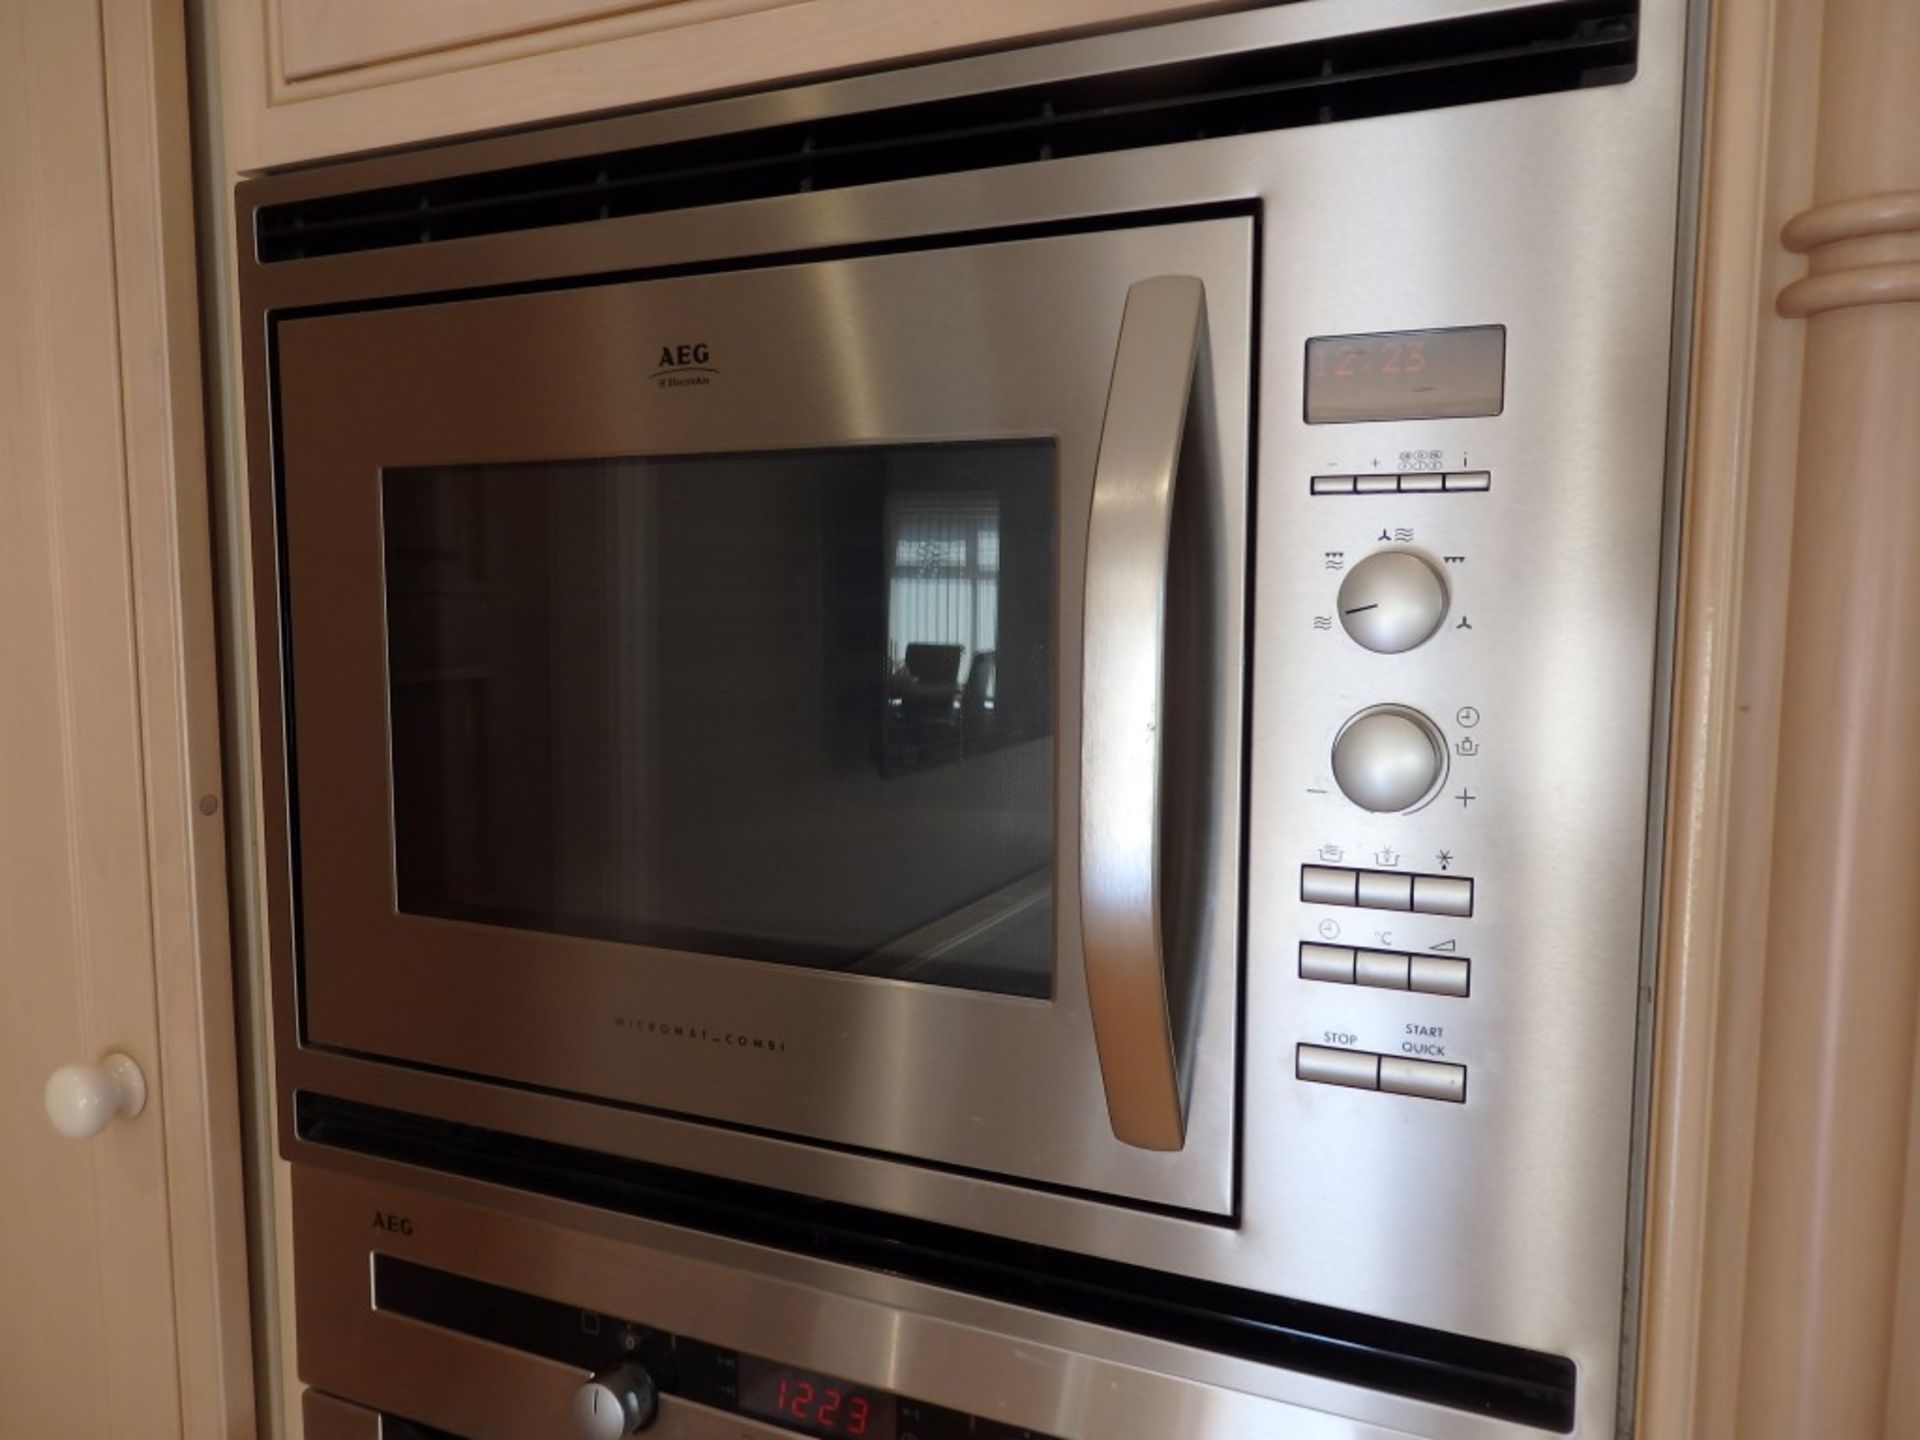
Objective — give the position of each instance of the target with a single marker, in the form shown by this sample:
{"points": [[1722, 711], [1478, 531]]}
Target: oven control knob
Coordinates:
{"points": [[614, 1404], [1392, 601], [1389, 758]]}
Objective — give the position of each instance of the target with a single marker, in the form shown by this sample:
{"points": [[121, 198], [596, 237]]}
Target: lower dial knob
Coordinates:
{"points": [[1389, 758], [615, 1404]]}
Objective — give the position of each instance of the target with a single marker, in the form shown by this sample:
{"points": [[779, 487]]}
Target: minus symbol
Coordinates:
{"points": [[1312, 791]]}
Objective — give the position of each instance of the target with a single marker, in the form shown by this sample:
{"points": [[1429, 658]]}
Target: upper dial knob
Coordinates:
{"points": [[1389, 758], [1392, 601], [615, 1404]]}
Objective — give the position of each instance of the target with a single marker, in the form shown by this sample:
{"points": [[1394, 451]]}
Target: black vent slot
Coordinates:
{"points": [[1422, 67], [1506, 1382]]}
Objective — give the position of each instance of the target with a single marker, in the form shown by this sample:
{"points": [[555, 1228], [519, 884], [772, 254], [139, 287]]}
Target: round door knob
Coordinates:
{"points": [[1392, 601], [614, 1404], [1389, 758], [83, 1100]]}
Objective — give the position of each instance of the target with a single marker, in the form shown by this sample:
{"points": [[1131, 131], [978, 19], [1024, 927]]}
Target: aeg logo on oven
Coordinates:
{"points": [[682, 365]]}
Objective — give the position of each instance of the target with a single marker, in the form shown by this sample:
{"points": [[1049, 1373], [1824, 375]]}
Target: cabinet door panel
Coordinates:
{"points": [[320, 37], [306, 80]]}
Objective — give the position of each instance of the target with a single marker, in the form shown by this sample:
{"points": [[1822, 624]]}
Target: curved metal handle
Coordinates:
{"points": [[83, 1100], [1162, 333]]}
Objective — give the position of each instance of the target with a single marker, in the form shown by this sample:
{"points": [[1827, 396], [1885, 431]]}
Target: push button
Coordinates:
{"points": [[1380, 969], [1442, 895], [1324, 1065], [1327, 885], [1438, 975], [1423, 1079], [1378, 890], [1332, 485], [1326, 962]]}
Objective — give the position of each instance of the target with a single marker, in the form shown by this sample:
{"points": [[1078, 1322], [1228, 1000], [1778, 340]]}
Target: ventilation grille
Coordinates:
{"points": [[1424, 67]]}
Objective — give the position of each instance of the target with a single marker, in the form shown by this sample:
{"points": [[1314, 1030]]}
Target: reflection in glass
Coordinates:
{"points": [[793, 707], [943, 601]]}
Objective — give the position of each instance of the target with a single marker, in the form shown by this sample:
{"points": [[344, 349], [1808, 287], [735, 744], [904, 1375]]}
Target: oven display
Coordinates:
{"points": [[1406, 375], [816, 1404]]}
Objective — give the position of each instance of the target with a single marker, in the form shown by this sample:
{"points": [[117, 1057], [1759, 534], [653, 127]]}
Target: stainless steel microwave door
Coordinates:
{"points": [[688, 695]]}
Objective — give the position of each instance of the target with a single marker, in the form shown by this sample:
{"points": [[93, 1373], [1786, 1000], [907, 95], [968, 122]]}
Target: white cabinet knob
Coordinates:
{"points": [[83, 1100]]}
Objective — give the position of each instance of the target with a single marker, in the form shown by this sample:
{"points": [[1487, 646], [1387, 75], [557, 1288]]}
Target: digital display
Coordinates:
{"points": [[815, 1404], [1406, 375]]}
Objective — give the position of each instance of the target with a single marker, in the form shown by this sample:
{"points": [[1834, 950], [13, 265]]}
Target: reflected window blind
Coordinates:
{"points": [[943, 573]]}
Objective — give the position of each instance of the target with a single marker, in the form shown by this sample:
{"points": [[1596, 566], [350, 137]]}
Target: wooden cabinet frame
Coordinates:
{"points": [[1782, 1261], [1783, 1246], [287, 105]]}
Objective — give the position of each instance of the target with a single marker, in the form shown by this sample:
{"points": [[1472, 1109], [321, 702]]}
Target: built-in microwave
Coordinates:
{"points": [[1034, 681]]}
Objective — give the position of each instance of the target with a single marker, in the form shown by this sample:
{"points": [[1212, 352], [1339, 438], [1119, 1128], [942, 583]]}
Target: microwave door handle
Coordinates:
{"points": [[1162, 331]]}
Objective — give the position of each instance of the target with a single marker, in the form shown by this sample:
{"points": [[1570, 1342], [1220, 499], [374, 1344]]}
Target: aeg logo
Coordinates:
{"points": [[391, 1224], [684, 365], [678, 357]]}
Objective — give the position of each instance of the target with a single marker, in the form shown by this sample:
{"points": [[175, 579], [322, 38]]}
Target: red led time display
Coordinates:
{"points": [[1406, 375], [816, 1404]]}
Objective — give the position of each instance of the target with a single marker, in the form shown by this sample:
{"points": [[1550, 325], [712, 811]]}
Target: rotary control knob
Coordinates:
{"points": [[615, 1404], [1389, 758], [1392, 601]]}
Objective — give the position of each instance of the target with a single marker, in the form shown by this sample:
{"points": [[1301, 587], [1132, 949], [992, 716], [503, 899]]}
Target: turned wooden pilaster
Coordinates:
{"points": [[1842, 976]]}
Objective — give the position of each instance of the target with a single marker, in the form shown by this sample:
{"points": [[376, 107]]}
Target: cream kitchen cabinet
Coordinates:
{"points": [[308, 79]]}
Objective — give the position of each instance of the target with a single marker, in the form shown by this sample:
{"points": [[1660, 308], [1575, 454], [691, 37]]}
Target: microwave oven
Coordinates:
{"points": [[991, 729]]}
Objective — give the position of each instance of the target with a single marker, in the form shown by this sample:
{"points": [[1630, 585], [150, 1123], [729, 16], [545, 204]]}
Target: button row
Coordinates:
{"points": [[1361, 1070], [1386, 890], [1384, 969], [1421, 482]]}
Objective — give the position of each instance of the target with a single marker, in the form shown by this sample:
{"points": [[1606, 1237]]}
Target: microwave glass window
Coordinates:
{"points": [[1407, 375], [788, 707]]}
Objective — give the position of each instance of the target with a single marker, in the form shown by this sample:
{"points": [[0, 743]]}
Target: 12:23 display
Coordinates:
{"points": [[818, 1404]]}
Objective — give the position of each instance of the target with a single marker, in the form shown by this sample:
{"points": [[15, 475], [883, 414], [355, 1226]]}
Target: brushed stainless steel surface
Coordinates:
{"points": [[1554, 215], [1020, 1367], [1122, 707], [854, 1059], [1393, 600], [1356, 1069], [1389, 758]]}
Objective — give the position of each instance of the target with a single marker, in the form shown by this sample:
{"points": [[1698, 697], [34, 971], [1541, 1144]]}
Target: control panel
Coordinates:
{"points": [[633, 1366], [1404, 629], [1391, 760]]}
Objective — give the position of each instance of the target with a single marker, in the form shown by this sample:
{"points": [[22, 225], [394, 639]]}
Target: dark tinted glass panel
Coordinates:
{"points": [[793, 707]]}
